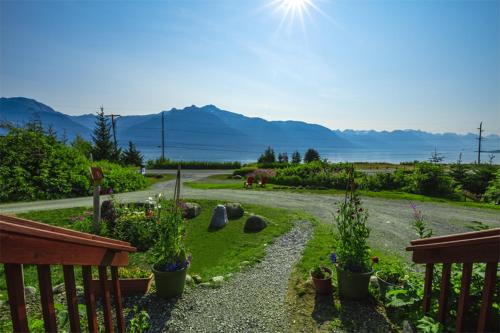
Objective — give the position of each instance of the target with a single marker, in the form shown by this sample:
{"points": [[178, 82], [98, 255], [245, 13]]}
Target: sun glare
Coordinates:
{"points": [[293, 10]]}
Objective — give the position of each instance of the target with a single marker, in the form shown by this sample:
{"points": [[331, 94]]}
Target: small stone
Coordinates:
{"points": [[245, 263], [29, 290], [196, 278], [58, 289], [192, 209], [234, 210], [255, 223], [407, 327], [218, 281], [205, 285], [219, 217], [189, 280]]}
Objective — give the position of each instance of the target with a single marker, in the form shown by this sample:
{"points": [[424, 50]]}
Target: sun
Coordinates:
{"points": [[292, 10]]}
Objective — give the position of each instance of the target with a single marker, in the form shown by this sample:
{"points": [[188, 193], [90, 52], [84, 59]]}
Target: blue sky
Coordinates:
{"points": [[431, 65]]}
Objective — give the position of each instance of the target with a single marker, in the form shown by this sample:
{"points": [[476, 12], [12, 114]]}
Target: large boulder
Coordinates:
{"points": [[191, 210], [234, 210], [219, 217], [255, 223]]}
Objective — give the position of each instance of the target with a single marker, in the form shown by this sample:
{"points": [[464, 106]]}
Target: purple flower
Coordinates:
{"points": [[333, 258], [110, 190]]}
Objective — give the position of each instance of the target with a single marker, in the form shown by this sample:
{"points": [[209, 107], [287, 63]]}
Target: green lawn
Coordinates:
{"points": [[222, 182], [156, 178]]}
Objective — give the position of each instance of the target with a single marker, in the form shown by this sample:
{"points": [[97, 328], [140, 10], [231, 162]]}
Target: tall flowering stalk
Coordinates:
{"points": [[353, 252], [419, 224]]}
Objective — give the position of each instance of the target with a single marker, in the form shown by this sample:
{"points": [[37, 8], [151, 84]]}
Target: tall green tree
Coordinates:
{"points": [[311, 155], [296, 158], [103, 148], [132, 156], [283, 157], [268, 156], [82, 145]]}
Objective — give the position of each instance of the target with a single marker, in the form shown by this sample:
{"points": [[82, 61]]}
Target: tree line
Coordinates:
{"points": [[269, 156]]}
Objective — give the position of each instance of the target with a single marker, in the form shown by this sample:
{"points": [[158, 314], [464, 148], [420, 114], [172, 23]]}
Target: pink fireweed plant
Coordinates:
{"points": [[419, 224]]}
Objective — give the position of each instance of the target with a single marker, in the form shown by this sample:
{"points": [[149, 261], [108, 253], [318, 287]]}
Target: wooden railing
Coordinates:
{"points": [[32, 243], [467, 249]]}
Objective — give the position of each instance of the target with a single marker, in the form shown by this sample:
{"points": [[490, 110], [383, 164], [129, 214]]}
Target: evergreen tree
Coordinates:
{"points": [[296, 158], [268, 156], [283, 158], [103, 148], [311, 155], [132, 156], [51, 135]]}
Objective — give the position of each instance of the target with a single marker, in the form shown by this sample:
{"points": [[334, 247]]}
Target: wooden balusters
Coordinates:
{"points": [[464, 295], [444, 292], [69, 284], [118, 299], [429, 272], [106, 302], [47, 298], [488, 289], [89, 298], [15, 289]]}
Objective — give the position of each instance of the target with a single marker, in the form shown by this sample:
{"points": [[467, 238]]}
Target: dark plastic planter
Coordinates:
{"points": [[323, 286], [128, 287], [383, 286], [353, 286], [170, 284]]}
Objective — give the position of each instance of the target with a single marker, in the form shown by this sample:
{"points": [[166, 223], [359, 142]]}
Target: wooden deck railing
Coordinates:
{"points": [[27, 242], [467, 249]]}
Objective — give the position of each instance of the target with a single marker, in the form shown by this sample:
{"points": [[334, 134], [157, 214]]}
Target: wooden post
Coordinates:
{"points": [[97, 209]]}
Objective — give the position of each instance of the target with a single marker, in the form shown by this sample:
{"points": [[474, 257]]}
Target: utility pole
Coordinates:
{"points": [[163, 135], [113, 117], [480, 138]]}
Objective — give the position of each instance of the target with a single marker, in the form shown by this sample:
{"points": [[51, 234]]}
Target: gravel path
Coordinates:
{"points": [[250, 301]]}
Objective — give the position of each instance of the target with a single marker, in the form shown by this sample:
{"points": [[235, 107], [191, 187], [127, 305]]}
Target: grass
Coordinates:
{"points": [[223, 183], [156, 178], [214, 253]]}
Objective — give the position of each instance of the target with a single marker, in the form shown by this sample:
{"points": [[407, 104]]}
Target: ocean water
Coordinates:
{"points": [[333, 155]]}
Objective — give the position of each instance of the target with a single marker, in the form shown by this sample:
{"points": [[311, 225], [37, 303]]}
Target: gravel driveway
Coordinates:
{"points": [[250, 301]]}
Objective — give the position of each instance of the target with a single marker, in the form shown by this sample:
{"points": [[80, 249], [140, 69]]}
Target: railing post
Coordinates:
{"points": [[89, 298], [118, 299], [106, 303], [47, 298], [69, 284], [444, 291], [429, 272], [15, 289], [489, 285], [464, 295]]}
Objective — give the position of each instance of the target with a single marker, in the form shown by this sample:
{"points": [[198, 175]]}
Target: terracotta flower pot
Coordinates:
{"points": [[129, 287], [323, 286], [353, 286]]}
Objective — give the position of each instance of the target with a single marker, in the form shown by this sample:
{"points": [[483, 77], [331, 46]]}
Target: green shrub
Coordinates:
{"points": [[429, 179], [243, 172], [492, 193], [137, 229], [478, 178], [119, 178]]}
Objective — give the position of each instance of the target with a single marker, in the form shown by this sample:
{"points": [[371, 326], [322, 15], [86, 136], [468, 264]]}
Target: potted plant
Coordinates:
{"points": [[391, 275], [168, 254], [353, 253], [322, 279], [133, 281]]}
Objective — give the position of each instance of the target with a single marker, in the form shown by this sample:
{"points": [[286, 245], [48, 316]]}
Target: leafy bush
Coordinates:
{"points": [[200, 165], [392, 272], [136, 228], [478, 178], [492, 193], [429, 179], [121, 179], [243, 172]]}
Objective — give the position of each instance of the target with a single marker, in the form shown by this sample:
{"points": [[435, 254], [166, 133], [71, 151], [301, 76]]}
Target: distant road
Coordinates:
{"points": [[389, 218]]}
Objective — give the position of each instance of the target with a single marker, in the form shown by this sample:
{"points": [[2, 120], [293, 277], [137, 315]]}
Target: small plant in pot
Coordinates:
{"points": [[353, 253], [389, 276], [168, 255], [322, 279]]}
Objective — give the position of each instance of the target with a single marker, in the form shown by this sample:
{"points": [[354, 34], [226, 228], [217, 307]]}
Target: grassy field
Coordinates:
{"points": [[223, 182]]}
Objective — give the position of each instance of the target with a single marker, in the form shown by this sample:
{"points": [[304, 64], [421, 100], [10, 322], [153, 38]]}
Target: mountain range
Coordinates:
{"points": [[209, 133]]}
